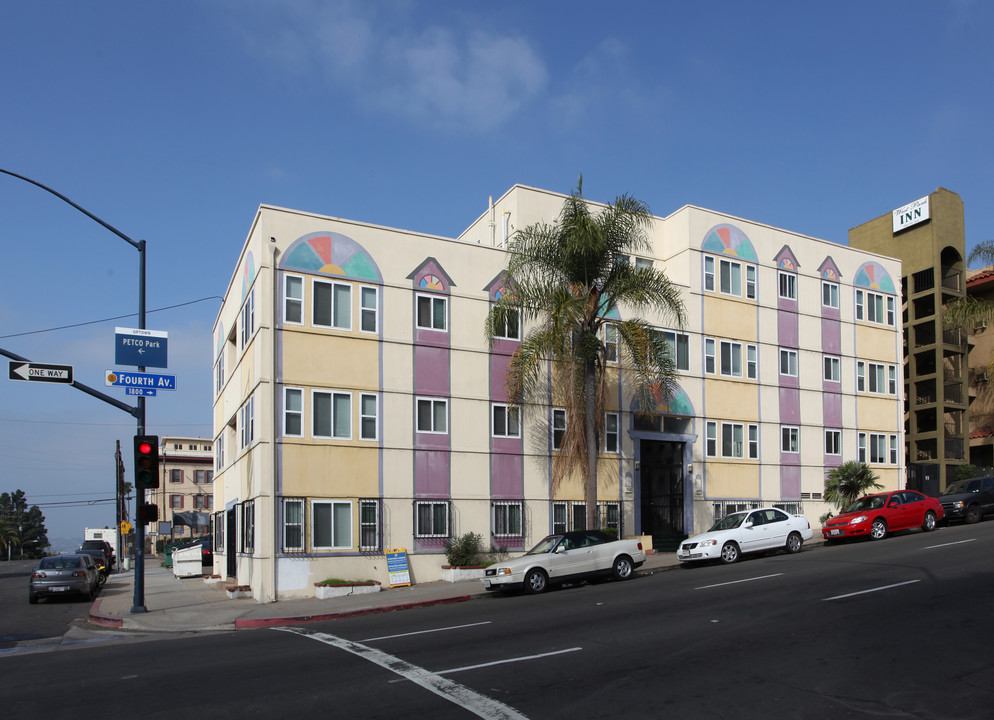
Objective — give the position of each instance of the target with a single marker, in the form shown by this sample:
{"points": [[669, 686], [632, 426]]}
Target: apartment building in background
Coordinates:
{"points": [[186, 485]]}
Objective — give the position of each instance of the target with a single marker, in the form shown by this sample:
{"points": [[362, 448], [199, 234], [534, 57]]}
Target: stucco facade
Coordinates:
{"points": [[358, 407]]}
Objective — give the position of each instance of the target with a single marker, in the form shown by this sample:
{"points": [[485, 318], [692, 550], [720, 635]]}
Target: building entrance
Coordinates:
{"points": [[230, 543], [661, 473]]}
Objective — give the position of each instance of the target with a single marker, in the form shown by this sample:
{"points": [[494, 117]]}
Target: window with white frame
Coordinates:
{"points": [[711, 439], [679, 345], [874, 307], [248, 318], [432, 415], [873, 448], [732, 440], [830, 294], [431, 518], [247, 422], [369, 424], [709, 356], [788, 362], [331, 525], [219, 452], [610, 342], [432, 312], [560, 518], [219, 373], [876, 378], [731, 358], [643, 263], [369, 525], [752, 361], [506, 421], [751, 282], [833, 442], [293, 524], [833, 368], [709, 273], [293, 300], [558, 427], [507, 518], [248, 526], [893, 449], [753, 442], [293, 412], [331, 414], [892, 379], [788, 285], [611, 432], [332, 305], [789, 439], [510, 327]]}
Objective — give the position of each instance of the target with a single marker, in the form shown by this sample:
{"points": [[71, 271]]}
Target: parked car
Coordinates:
{"points": [[759, 530], [968, 500], [566, 556], [100, 562], [104, 547], [877, 515], [63, 575]]}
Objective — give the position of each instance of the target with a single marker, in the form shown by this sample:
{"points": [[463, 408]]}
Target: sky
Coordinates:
{"points": [[173, 122]]}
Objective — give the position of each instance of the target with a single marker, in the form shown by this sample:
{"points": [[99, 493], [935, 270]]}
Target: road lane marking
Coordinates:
{"points": [[736, 582], [480, 705], [509, 660], [878, 589], [422, 632], [958, 542]]}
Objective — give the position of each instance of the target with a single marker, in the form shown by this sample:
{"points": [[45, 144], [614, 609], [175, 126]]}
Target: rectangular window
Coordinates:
{"points": [[789, 439], [709, 356], [753, 442], [219, 452], [247, 420], [293, 300], [510, 328], [833, 442], [368, 310], [248, 527], [432, 312], [560, 518], [506, 421], [893, 449], [679, 345], [751, 282], [579, 516], [643, 263], [878, 448], [882, 448], [788, 285], [199, 502], [892, 379], [507, 519], [200, 476], [332, 305], [433, 415], [431, 519], [219, 373], [369, 525], [611, 512], [293, 412], [611, 342], [331, 414], [876, 378], [558, 428], [248, 318], [176, 502], [731, 358], [732, 441], [709, 273], [730, 277], [752, 362], [331, 524], [833, 368], [611, 432], [861, 450], [175, 475], [830, 295], [870, 307], [860, 376], [369, 417], [859, 305], [711, 442], [293, 525], [788, 362]]}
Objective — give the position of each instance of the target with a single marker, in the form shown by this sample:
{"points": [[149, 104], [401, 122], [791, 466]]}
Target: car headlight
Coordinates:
{"points": [[860, 519], [958, 505], [503, 571], [709, 543]]}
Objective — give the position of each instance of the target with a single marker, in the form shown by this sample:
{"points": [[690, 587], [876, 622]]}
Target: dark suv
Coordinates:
{"points": [[103, 546], [968, 500]]}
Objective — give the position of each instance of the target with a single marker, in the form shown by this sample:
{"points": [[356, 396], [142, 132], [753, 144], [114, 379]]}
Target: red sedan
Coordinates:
{"points": [[877, 515]]}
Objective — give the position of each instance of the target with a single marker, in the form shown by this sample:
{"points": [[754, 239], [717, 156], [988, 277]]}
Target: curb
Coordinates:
{"points": [[102, 619], [255, 623]]}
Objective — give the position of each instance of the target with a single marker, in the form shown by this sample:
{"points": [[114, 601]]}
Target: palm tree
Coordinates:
{"points": [[848, 482], [969, 312], [565, 279], [9, 536]]}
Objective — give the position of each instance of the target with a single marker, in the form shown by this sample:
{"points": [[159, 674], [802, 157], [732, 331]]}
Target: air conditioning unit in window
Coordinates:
{"points": [[982, 376]]}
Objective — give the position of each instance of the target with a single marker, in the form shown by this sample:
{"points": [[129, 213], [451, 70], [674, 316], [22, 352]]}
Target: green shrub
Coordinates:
{"points": [[465, 551]]}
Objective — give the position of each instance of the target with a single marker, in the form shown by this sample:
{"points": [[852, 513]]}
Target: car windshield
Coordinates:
{"points": [[58, 563], [729, 522], [545, 545], [871, 502], [963, 486]]}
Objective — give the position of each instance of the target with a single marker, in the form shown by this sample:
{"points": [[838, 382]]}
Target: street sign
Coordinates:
{"points": [[141, 348], [41, 372], [125, 527], [140, 380], [140, 391]]}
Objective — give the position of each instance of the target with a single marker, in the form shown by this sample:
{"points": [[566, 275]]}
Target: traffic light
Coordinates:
{"points": [[146, 462], [148, 513]]}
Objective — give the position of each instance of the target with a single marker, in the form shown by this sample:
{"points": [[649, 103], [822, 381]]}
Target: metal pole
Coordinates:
{"points": [[139, 599]]}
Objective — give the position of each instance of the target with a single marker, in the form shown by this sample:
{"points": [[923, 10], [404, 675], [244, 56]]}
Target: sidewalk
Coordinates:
{"points": [[190, 605]]}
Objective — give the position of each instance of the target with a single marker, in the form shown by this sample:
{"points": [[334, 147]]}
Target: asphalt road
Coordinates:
{"points": [[892, 629], [19, 621]]}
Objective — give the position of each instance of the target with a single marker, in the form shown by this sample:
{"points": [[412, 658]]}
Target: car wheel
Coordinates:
{"points": [[794, 543], [33, 598], [622, 569], [974, 514], [536, 582], [729, 553], [878, 530], [929, 524]]}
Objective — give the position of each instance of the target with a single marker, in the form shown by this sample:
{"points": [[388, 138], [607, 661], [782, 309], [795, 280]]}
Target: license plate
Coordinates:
{"points": [[835, 532], [486, 583], [59, 588]]}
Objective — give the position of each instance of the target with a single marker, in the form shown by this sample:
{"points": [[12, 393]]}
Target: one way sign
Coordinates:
{"points": [[41, 372]]}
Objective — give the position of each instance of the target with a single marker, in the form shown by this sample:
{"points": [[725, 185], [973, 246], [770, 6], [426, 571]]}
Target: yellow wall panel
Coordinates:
{"points": [[731, 480]]}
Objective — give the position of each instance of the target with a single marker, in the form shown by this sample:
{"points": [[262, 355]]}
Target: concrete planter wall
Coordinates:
{"points": [[321, 592], [238, 591], [455, 574]]}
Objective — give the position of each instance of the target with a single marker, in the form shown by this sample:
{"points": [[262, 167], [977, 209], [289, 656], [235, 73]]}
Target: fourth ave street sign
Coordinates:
{"points": [[140, 380]]}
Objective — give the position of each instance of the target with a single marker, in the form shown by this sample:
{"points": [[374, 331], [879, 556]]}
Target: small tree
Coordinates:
{"points": [[848, 482]]}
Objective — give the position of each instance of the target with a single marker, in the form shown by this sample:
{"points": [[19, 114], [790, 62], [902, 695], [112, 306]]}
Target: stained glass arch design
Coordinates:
{"points": [[331, 254]]}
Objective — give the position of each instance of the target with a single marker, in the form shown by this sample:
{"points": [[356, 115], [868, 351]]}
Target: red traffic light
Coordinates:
{"points": [[144, 448]]}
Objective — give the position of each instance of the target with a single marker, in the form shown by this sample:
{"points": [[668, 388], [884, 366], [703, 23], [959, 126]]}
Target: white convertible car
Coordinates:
{"points": [[763, 529], [565, 557]]}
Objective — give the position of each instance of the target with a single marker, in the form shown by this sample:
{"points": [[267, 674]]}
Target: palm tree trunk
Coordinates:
{"points": [[590, 418]]}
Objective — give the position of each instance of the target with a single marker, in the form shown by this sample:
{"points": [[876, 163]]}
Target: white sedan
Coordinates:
{"points": [[566, 556], [760, 530]]}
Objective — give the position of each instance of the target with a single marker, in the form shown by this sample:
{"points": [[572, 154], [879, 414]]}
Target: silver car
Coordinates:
{"points": [[63, 575]]}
